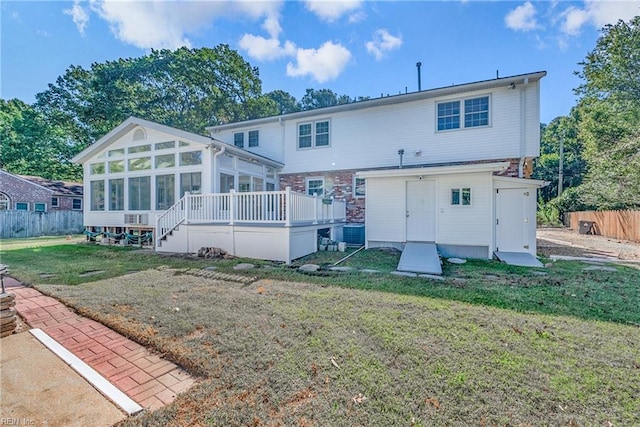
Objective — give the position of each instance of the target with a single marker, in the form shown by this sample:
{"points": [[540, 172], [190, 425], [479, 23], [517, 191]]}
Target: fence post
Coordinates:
{"points": [[287, 206]]}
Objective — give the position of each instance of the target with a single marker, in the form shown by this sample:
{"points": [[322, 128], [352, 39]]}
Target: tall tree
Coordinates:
{"points": [[562, 131], [318, 98], [609, 118], [185, 88], [31, 145], [286, 103]]}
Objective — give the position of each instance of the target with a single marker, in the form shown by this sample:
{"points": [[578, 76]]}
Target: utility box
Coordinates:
{"points": [[353, 234], [587, 227]]}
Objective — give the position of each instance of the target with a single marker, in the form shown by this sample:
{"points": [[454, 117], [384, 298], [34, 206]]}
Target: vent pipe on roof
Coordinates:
{"points": [[400, 153], [419, 64]]}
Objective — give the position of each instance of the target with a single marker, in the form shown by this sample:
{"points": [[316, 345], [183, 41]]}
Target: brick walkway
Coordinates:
{"points": [[146, 378]]}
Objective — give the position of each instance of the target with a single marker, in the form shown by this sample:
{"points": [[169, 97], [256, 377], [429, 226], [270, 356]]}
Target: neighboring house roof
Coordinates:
{"points": [[132, 122], [511, 81], [59, 188]]}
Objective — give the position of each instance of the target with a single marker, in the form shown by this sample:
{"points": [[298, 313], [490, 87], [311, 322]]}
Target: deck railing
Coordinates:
{"points": [[286, 207]]}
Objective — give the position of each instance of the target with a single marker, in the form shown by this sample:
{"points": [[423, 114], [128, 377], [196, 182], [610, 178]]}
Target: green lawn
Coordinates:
{"points": [[490, 345]]}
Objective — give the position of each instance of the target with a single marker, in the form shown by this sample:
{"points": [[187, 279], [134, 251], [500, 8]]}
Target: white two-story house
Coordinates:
{"points": [[447, 165]]}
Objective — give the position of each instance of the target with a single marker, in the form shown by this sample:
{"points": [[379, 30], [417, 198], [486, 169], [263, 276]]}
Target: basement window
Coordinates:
{"points": [[461, 196]]}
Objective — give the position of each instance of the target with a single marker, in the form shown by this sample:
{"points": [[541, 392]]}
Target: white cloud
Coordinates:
{"points": [[597, 13], [331, 10], [264, 49], [382, 43], [522, 18], [166, 24], [573, 20], [79, 15], [323, 64]]}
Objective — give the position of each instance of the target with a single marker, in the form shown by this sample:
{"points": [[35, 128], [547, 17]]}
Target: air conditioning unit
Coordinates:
{"points": [[136, 219]]}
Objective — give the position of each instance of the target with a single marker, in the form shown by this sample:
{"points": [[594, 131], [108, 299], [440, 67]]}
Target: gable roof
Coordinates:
{"points": [[133, 122], [55, 187], [516, 80], [59, 188]]}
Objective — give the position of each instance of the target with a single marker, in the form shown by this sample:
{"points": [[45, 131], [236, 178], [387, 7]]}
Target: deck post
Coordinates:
{"points": [[315, 208], [187, 207], [232, 206], [331, 210], [287, 206]]}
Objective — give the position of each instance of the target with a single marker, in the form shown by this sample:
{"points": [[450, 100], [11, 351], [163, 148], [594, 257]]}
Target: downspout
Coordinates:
{"points": [[523, 126], [215, 169]]}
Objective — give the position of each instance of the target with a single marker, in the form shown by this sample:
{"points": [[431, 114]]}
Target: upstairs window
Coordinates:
{"points": [[254, 138], [451, 116], [476, 112], [238, 139], [315, 134]]}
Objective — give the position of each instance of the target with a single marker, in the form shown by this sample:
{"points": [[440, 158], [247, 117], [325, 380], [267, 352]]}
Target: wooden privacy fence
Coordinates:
{"points": [[34, 224], [623, 225]]}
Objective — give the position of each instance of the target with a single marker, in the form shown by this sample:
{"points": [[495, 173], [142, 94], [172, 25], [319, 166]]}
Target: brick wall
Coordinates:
{"points": [[20, 190], [338, 184]]}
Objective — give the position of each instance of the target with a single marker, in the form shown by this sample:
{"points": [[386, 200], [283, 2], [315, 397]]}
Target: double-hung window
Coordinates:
{"points": [[315, 186], [461, 196], [476, 112], [254, 138], [463, 114], [238, 139], [314, 134]]}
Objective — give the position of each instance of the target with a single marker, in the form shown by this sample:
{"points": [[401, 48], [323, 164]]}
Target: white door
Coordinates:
{"points": [[512, 219], [421, 211]]}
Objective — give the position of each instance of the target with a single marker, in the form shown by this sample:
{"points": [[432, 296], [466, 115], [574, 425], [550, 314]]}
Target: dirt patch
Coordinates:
{"points": [[561, 241]]}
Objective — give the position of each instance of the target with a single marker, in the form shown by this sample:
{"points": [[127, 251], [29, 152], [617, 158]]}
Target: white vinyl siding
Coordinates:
{"points": [[385, 209]]}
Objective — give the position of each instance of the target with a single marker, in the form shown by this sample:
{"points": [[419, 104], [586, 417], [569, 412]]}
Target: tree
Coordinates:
{"points": [[608, 118], [186, 88], [546, 167], [30, 145], [286, 103], [320, 98]]}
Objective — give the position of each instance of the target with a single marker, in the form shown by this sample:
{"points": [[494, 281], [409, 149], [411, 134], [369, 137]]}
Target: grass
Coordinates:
{"points": [[30, 242], [292, 353], [274, 346]]}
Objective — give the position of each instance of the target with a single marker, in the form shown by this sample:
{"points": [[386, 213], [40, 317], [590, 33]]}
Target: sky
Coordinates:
{"points": [[353, 47]]}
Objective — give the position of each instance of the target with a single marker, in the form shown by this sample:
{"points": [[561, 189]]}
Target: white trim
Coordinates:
{"points": [[88, 373], [524, 181], [435, 170]]}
